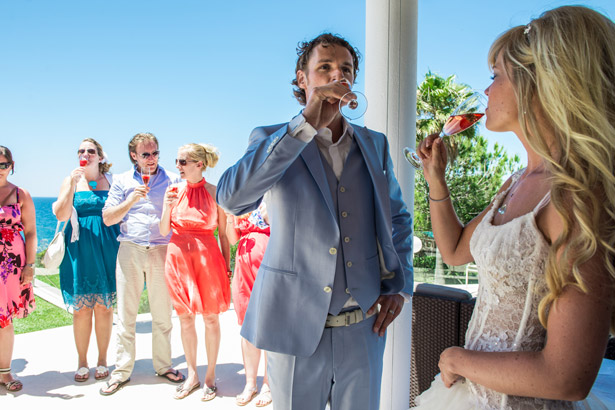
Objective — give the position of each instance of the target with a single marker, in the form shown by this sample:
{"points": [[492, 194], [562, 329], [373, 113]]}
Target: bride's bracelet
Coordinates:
{"points": [[439, 200]]}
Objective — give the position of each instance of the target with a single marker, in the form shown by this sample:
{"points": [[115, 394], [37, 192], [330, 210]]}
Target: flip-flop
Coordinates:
{"points": [[118, 385], [175, 373], [209, 393], [182, 392], [264, 399], [82, 375], [246, 397], [102, 372], [12, 386]]}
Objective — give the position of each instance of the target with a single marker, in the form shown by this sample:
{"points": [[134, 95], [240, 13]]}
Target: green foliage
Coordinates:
{"points": [[475, 173], [424, 260], [45, 316]]}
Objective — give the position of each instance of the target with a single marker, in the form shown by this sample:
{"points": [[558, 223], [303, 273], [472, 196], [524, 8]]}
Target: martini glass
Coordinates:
{"points": [[467, 114], [356, 107]]}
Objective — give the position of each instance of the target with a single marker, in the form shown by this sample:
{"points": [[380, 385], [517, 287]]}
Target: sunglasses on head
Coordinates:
{"points": [[5, 165], [146, 155], [90, 151], [183, 162]]}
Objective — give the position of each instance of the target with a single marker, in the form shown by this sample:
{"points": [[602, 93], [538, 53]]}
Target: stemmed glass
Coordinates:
{"points": [[146, 175], [468, 113], [83, 160], [356, 107]]}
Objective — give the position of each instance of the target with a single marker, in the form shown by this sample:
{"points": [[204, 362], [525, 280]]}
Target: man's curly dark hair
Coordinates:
{"points": [[304, 50]]}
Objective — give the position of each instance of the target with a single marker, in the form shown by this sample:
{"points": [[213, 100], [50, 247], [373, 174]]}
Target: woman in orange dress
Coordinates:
{"points": [[196, 268], [252, 232]]}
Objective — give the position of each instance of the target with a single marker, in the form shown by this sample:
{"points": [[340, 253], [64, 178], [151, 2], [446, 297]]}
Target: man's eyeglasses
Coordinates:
{"points": [[90, 151], [183, 162], [5, 165], [146, 155]]}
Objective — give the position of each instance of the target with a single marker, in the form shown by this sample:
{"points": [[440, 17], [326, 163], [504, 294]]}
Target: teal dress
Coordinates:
{"points": [[87, 272]]}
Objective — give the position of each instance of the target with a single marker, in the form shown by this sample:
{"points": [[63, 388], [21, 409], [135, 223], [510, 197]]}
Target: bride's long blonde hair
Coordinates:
{"points": [[562, 66]]}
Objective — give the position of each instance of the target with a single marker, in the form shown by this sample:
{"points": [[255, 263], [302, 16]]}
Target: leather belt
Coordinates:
{"points": [[347, 318]]}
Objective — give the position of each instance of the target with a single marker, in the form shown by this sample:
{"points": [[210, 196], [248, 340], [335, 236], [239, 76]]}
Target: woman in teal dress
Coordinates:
{"points": [[87, 272]]}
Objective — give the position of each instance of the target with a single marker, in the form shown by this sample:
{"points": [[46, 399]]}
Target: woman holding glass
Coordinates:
{"points": [[87, 272], [17, 256], [196, 268], [545, 246]]}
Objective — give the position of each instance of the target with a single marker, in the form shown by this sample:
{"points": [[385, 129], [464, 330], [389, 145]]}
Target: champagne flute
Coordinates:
{"points": [[467, 114], [146, 175], [356, 107]]}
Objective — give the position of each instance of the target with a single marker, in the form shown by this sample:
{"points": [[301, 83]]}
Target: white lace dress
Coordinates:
{"points": [[511, 261]]}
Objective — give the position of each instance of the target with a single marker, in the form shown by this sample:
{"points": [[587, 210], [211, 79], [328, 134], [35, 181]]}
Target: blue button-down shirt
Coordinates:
{"points": [[140, 224]]}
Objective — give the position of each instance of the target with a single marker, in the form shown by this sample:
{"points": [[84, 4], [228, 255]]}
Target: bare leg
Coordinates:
{"points": [[7, 340], [251, 358], [212, 345], [190, 343], [103, 325], [82, 329]]}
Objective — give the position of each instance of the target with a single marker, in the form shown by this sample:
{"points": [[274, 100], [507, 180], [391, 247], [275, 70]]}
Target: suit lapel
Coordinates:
{"points": [[376, 171], [313, 161]]}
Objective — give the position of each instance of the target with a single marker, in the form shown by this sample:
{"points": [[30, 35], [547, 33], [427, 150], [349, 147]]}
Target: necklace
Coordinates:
{"points": [[514, 187], [93, 183]]}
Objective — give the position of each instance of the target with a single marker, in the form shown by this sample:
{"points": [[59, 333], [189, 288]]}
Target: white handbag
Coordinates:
{"points": [[55, 251]]}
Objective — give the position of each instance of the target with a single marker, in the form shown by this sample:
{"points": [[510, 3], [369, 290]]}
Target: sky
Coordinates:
{"points": [[197, 70]]}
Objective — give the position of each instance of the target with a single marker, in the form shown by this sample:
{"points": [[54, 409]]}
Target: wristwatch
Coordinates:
{"points": [[29, 265]]}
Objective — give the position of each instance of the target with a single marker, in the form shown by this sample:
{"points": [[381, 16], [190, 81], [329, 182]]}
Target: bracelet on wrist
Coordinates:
{"points": [[439, 200], [28, 265]]}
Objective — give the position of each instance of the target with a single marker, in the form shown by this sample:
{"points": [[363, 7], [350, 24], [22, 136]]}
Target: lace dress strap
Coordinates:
{"points": [[543, 202]]}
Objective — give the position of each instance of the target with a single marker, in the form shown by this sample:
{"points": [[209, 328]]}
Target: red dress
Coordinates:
{"points": [[195, 269], [254, 235]]}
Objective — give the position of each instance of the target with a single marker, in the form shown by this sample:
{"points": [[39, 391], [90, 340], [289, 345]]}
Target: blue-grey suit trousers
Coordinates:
{"points": [[345, 369]]}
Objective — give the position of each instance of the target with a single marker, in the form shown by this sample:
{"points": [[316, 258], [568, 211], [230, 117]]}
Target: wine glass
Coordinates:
{"points": [[356, 107], [146, 175], [83, 161], [468, 113]]}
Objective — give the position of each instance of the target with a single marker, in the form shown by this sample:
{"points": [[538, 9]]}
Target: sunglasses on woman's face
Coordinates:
{"points": [[90, 151], [146, 155], [5, 165], [183, 162]]}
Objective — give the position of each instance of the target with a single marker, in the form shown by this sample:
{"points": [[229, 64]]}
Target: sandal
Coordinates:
{"points": [[209, 393], [167, 375], [118, 385], [82, 374], [264, 399], [246, 396], [182, 392], [102, 372], [12, 386]]}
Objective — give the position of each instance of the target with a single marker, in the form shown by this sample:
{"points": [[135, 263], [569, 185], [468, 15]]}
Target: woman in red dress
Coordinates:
{"points": [[252, 231], [196, 268]]}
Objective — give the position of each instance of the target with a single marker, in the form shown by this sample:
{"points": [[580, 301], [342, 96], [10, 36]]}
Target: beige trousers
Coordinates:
{"points": [[138, 265]]}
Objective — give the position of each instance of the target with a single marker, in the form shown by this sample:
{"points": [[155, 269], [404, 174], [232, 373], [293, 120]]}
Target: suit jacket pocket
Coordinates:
{"points": [[280, 271]]}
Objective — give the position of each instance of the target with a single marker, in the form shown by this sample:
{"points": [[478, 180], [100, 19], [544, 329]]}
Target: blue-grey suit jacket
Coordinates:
{"points": [[289, 304]]}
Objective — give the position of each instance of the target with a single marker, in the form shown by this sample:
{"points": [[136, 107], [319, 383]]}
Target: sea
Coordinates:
{"points": [[46, 222]]}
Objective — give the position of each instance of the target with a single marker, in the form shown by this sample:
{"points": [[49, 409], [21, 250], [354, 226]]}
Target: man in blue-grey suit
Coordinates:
{"points": [[337, 269]]}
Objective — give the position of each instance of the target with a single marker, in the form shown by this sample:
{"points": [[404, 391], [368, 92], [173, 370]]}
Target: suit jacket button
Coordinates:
{"points": [[327, 289], [333, 251]]}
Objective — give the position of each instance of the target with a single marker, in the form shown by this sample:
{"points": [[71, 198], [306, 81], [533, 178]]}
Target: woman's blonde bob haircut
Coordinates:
{"points": [[562, 66]]}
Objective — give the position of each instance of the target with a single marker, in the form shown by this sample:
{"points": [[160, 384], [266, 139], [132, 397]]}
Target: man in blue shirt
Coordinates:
{"points": [[135, 202]]}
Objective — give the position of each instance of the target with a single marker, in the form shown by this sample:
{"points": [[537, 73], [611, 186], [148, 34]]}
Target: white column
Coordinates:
{"points": [[390, 87]]}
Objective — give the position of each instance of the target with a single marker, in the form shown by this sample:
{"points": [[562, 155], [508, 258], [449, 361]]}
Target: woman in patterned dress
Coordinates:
{"points": [[87, 272], [545, 246], [17, 257], [252, 231]]}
